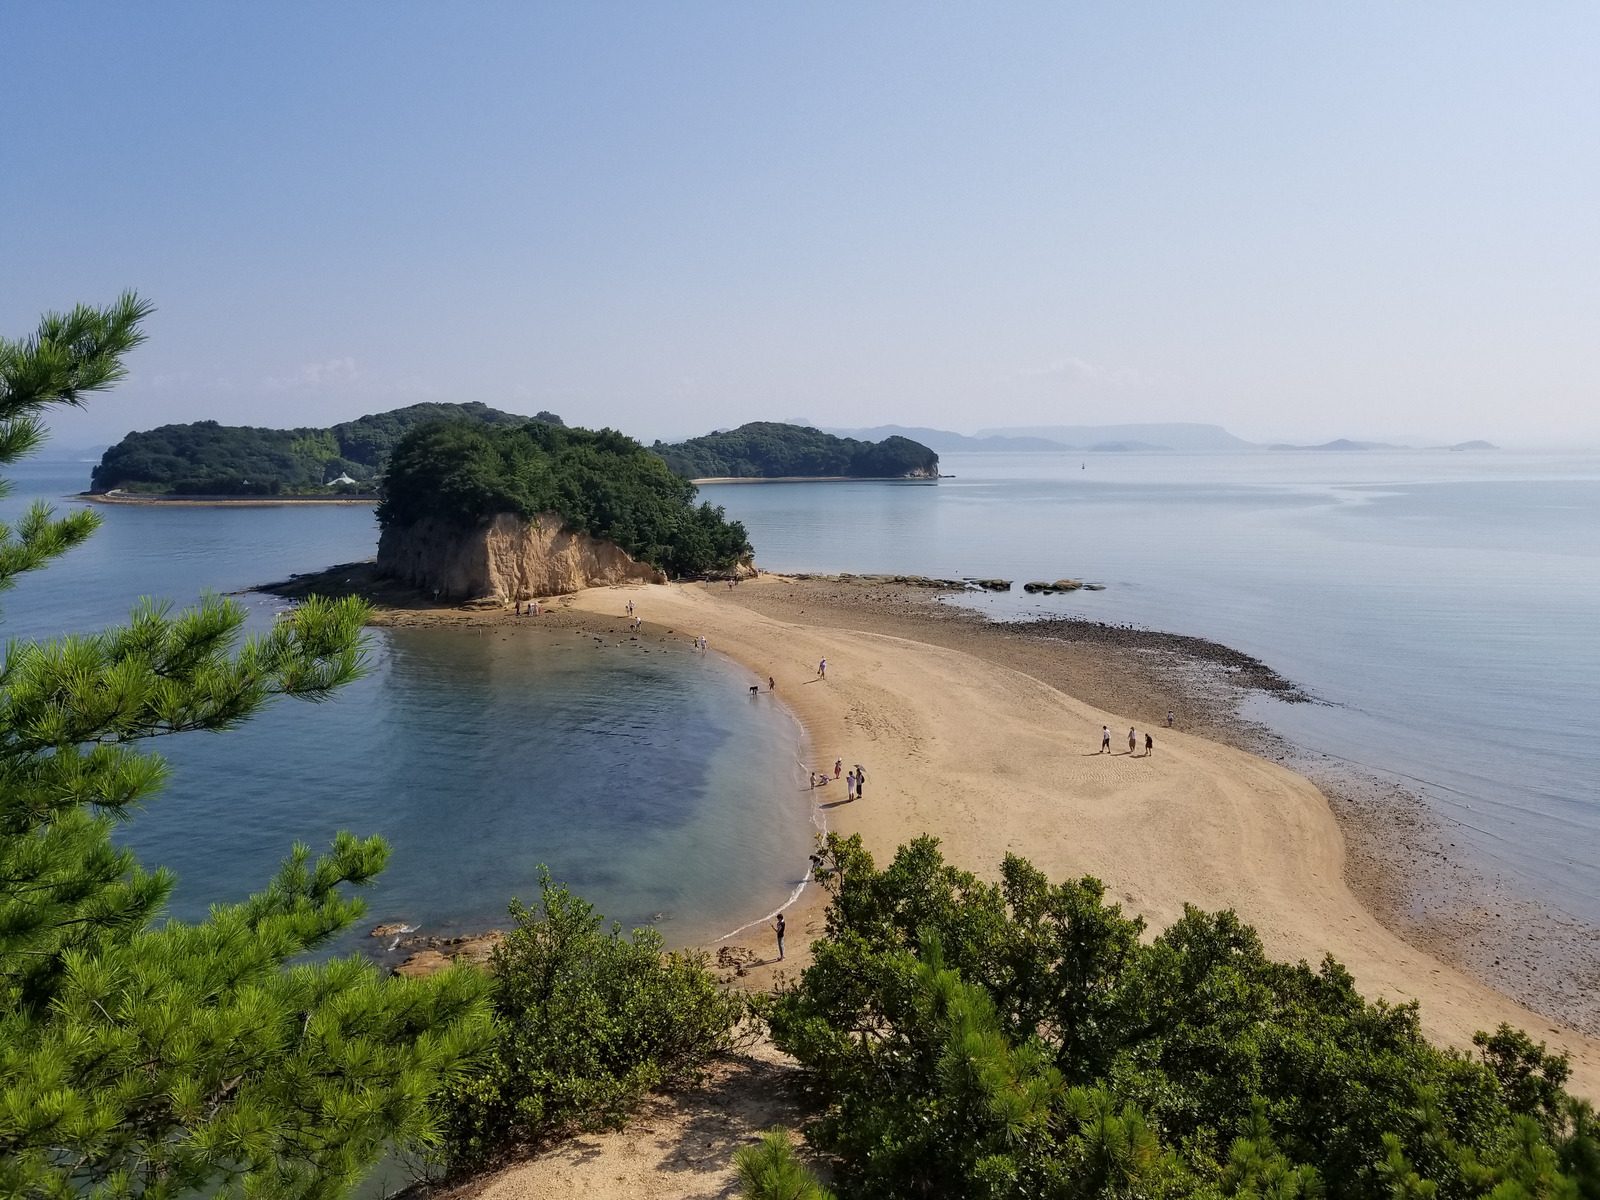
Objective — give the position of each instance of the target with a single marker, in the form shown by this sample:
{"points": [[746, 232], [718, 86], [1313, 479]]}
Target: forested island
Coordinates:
{"points": [[211, 459], [449, 480], [773, 450]]}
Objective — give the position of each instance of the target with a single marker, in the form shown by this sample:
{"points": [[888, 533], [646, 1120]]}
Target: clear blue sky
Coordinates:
{"points": [[1300, 221]]}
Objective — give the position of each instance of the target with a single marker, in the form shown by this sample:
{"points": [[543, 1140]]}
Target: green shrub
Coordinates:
{"points": [[588, 1020], [1019, 1039], [770, 1170]]}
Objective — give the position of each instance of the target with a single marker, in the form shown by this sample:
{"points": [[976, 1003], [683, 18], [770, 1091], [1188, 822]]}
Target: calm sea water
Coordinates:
{"points": [[1446, 607], [641, 774]]}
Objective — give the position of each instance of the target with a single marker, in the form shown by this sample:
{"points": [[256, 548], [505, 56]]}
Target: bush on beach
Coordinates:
{"points": [[587, 1021], [1020, 1039]]}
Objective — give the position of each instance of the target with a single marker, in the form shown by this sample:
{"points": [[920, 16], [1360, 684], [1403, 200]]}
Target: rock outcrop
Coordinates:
{"points": [[510, 558]]}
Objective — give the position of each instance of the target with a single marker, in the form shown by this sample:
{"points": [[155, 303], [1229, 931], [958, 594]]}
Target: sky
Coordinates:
{"points": [[1298, 221]]}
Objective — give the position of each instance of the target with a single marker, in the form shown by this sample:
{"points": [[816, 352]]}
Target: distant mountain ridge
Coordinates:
{"points": [[1338, 445], [1078, 439], [1153, 435]]}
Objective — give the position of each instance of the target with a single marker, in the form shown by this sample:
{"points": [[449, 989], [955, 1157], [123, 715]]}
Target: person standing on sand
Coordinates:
{"points": [[1132, 742], [822, 669], [850, 787], [772, 684], [1149, 744], [838, 767], [1169, 718], [860, 777], [779, 927], [1105, 739]]}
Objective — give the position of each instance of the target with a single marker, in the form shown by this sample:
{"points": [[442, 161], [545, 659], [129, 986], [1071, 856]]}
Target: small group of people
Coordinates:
{"points": [[855, 780], [531, 609], [701, 644], [1133, 741]]}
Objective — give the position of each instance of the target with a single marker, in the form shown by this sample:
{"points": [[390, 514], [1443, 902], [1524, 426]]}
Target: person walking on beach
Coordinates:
{"points": [[1105, 739], [822, 669], [772, 684], [1169, 718], [779, 927], [838, 767], [1149, 744], [1131, 740]]}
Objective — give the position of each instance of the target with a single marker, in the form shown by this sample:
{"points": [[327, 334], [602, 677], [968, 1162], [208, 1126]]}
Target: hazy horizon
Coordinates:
{"points": [[1370, 222]]}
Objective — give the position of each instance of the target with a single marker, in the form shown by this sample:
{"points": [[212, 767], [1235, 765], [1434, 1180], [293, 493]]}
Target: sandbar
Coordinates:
{"points": [[992, 760]]}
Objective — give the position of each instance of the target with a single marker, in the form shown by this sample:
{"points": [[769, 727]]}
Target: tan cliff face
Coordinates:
{"points": [[508, 559]]}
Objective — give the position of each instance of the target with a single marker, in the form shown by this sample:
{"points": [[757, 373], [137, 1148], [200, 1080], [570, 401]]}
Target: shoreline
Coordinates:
{"points": [[154, 501], [962, 734], [1400, 857], [817, 479]]}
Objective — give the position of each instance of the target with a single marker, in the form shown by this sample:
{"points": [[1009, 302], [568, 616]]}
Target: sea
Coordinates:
{"points": [[1442, 609], [639, 774]]}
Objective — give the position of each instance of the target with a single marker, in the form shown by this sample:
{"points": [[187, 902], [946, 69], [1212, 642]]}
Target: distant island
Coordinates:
{"points": [[1347, 445], [1337, 445], [209, 459], [945, 442], [773, 450]]}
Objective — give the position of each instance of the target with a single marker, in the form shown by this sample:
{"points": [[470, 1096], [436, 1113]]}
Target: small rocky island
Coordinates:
{"points": [[774, 450], [504, 513]]}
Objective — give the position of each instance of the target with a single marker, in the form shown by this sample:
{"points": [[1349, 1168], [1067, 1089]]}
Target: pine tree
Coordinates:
{"points": [[154, 1058]]}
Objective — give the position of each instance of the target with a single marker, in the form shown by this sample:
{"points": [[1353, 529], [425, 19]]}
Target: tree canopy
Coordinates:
{"points": [[1021, 1039], [770, 449], [147, 1057], [600, 482], [206, 458]]}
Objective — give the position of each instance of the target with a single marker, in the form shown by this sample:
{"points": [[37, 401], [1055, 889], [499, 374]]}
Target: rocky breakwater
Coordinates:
{"points": [[507, 558], [932, 583]]}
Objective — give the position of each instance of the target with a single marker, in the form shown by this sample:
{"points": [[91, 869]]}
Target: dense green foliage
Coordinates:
{"points": [[1019, 1039], [769, 449], [154, 1058], [602, 483], [205, 458], [588, 1021]]}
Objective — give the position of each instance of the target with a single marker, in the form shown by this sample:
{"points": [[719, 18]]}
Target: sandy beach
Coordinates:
{"points": [[992, 760]]}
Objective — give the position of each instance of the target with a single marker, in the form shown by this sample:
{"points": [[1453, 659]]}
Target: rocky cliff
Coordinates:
{"points": [[508, 559]]}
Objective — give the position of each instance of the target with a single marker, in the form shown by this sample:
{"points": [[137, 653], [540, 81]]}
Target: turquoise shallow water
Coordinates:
{"points": [[642, 774], [1446, 607]]}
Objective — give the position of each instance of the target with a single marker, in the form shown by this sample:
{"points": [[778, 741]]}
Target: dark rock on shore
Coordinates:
{"points": [[929, 582], [1051, 589], [1248, 671]]}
